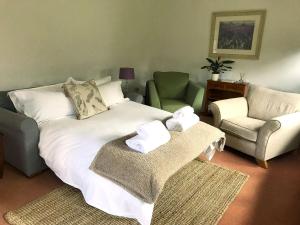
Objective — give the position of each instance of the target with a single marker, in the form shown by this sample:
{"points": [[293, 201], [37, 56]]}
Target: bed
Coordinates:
{"points": [[68, 146]]}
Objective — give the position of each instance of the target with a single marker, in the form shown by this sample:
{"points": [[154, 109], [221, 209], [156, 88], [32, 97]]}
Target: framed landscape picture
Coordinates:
{"points": [[237, 34]]}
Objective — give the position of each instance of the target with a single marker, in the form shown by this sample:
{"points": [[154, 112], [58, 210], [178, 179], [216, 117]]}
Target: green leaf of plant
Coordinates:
{"points": [[228, 61], [210, 60]]}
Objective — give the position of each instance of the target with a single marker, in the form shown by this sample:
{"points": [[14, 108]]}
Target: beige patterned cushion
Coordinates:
{"points": [[86, 99]]}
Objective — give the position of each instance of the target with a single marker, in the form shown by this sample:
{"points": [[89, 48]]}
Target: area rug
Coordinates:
{"points": [[198, 194]]}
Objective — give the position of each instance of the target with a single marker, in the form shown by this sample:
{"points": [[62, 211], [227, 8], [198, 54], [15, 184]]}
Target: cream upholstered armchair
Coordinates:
{"points": [[264, 125]]}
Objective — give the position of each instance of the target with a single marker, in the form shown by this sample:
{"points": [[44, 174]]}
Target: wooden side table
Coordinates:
{"points": [[1, 155], [219, 90]]}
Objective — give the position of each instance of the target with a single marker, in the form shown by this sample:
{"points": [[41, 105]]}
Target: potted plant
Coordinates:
{"points": [[217, 67]]}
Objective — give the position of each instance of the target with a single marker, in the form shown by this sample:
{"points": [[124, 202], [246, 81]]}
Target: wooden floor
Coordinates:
{"points": [[270, 197]]}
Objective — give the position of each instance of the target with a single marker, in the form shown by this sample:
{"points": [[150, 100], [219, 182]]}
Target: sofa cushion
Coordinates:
{"points": [[171, 85], [171, 105], [265, 104], [243, 127]]}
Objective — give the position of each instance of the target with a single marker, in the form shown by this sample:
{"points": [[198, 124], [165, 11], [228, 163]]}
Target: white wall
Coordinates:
{"points": [[43, 42]]}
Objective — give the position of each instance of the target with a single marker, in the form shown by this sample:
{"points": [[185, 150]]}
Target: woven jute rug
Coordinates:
{"points": [[198, 194]]}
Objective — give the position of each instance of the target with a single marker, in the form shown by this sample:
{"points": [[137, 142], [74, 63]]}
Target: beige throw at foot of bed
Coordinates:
{"points": [[144, 175]]}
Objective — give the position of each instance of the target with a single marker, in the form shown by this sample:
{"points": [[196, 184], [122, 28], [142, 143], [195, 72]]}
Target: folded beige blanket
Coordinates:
{"points": [[144, 175]]}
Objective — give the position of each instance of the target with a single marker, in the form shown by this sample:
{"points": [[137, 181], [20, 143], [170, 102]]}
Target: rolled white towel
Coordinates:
{"points": [[182, 124], [183, 112], [154, 128], [145, 145]]}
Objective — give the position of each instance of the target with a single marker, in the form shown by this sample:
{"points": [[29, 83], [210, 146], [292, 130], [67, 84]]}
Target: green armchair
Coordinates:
{"points": [[172, 90]]}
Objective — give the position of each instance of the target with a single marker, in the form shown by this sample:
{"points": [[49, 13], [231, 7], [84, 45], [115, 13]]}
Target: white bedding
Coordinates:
{"points": [[69, 146]]}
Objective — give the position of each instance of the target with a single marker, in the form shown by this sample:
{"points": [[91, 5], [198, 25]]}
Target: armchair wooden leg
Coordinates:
{"points": [[262, 163]]}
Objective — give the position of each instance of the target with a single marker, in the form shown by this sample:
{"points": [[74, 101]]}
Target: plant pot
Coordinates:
{"points": [[215, 76]]}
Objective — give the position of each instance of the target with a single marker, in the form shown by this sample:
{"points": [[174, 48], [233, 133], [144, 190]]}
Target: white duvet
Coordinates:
{"points": [[69, 146]]}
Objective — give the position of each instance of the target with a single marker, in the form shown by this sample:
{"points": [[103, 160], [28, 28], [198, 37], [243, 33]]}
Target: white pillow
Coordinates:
{"points": [[103, 80], [71, 80], [47, 105], [18, 96], [111, 93], [100, 81]]}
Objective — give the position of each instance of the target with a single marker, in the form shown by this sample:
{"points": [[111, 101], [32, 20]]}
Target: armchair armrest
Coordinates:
{"points": [[278, 135], [17, 122], [194, 96], [229, 108], [21, 137], [152, 94]]}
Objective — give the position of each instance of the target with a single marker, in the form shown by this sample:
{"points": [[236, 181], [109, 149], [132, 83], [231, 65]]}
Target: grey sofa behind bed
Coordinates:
{"points": [[21, 137]]}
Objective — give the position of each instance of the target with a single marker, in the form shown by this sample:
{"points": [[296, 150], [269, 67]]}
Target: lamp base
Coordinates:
{"points": [[126, 89]]}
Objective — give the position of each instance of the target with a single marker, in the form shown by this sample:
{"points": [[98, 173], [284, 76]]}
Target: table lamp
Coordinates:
{"points": [[126, 74]]}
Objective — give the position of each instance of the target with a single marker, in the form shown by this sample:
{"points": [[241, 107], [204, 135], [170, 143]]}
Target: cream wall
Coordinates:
{"points": [[44, 42], [184, 40]]}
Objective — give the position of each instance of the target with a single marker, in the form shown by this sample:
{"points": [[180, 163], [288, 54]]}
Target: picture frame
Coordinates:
{"points": [[237, 34]]}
